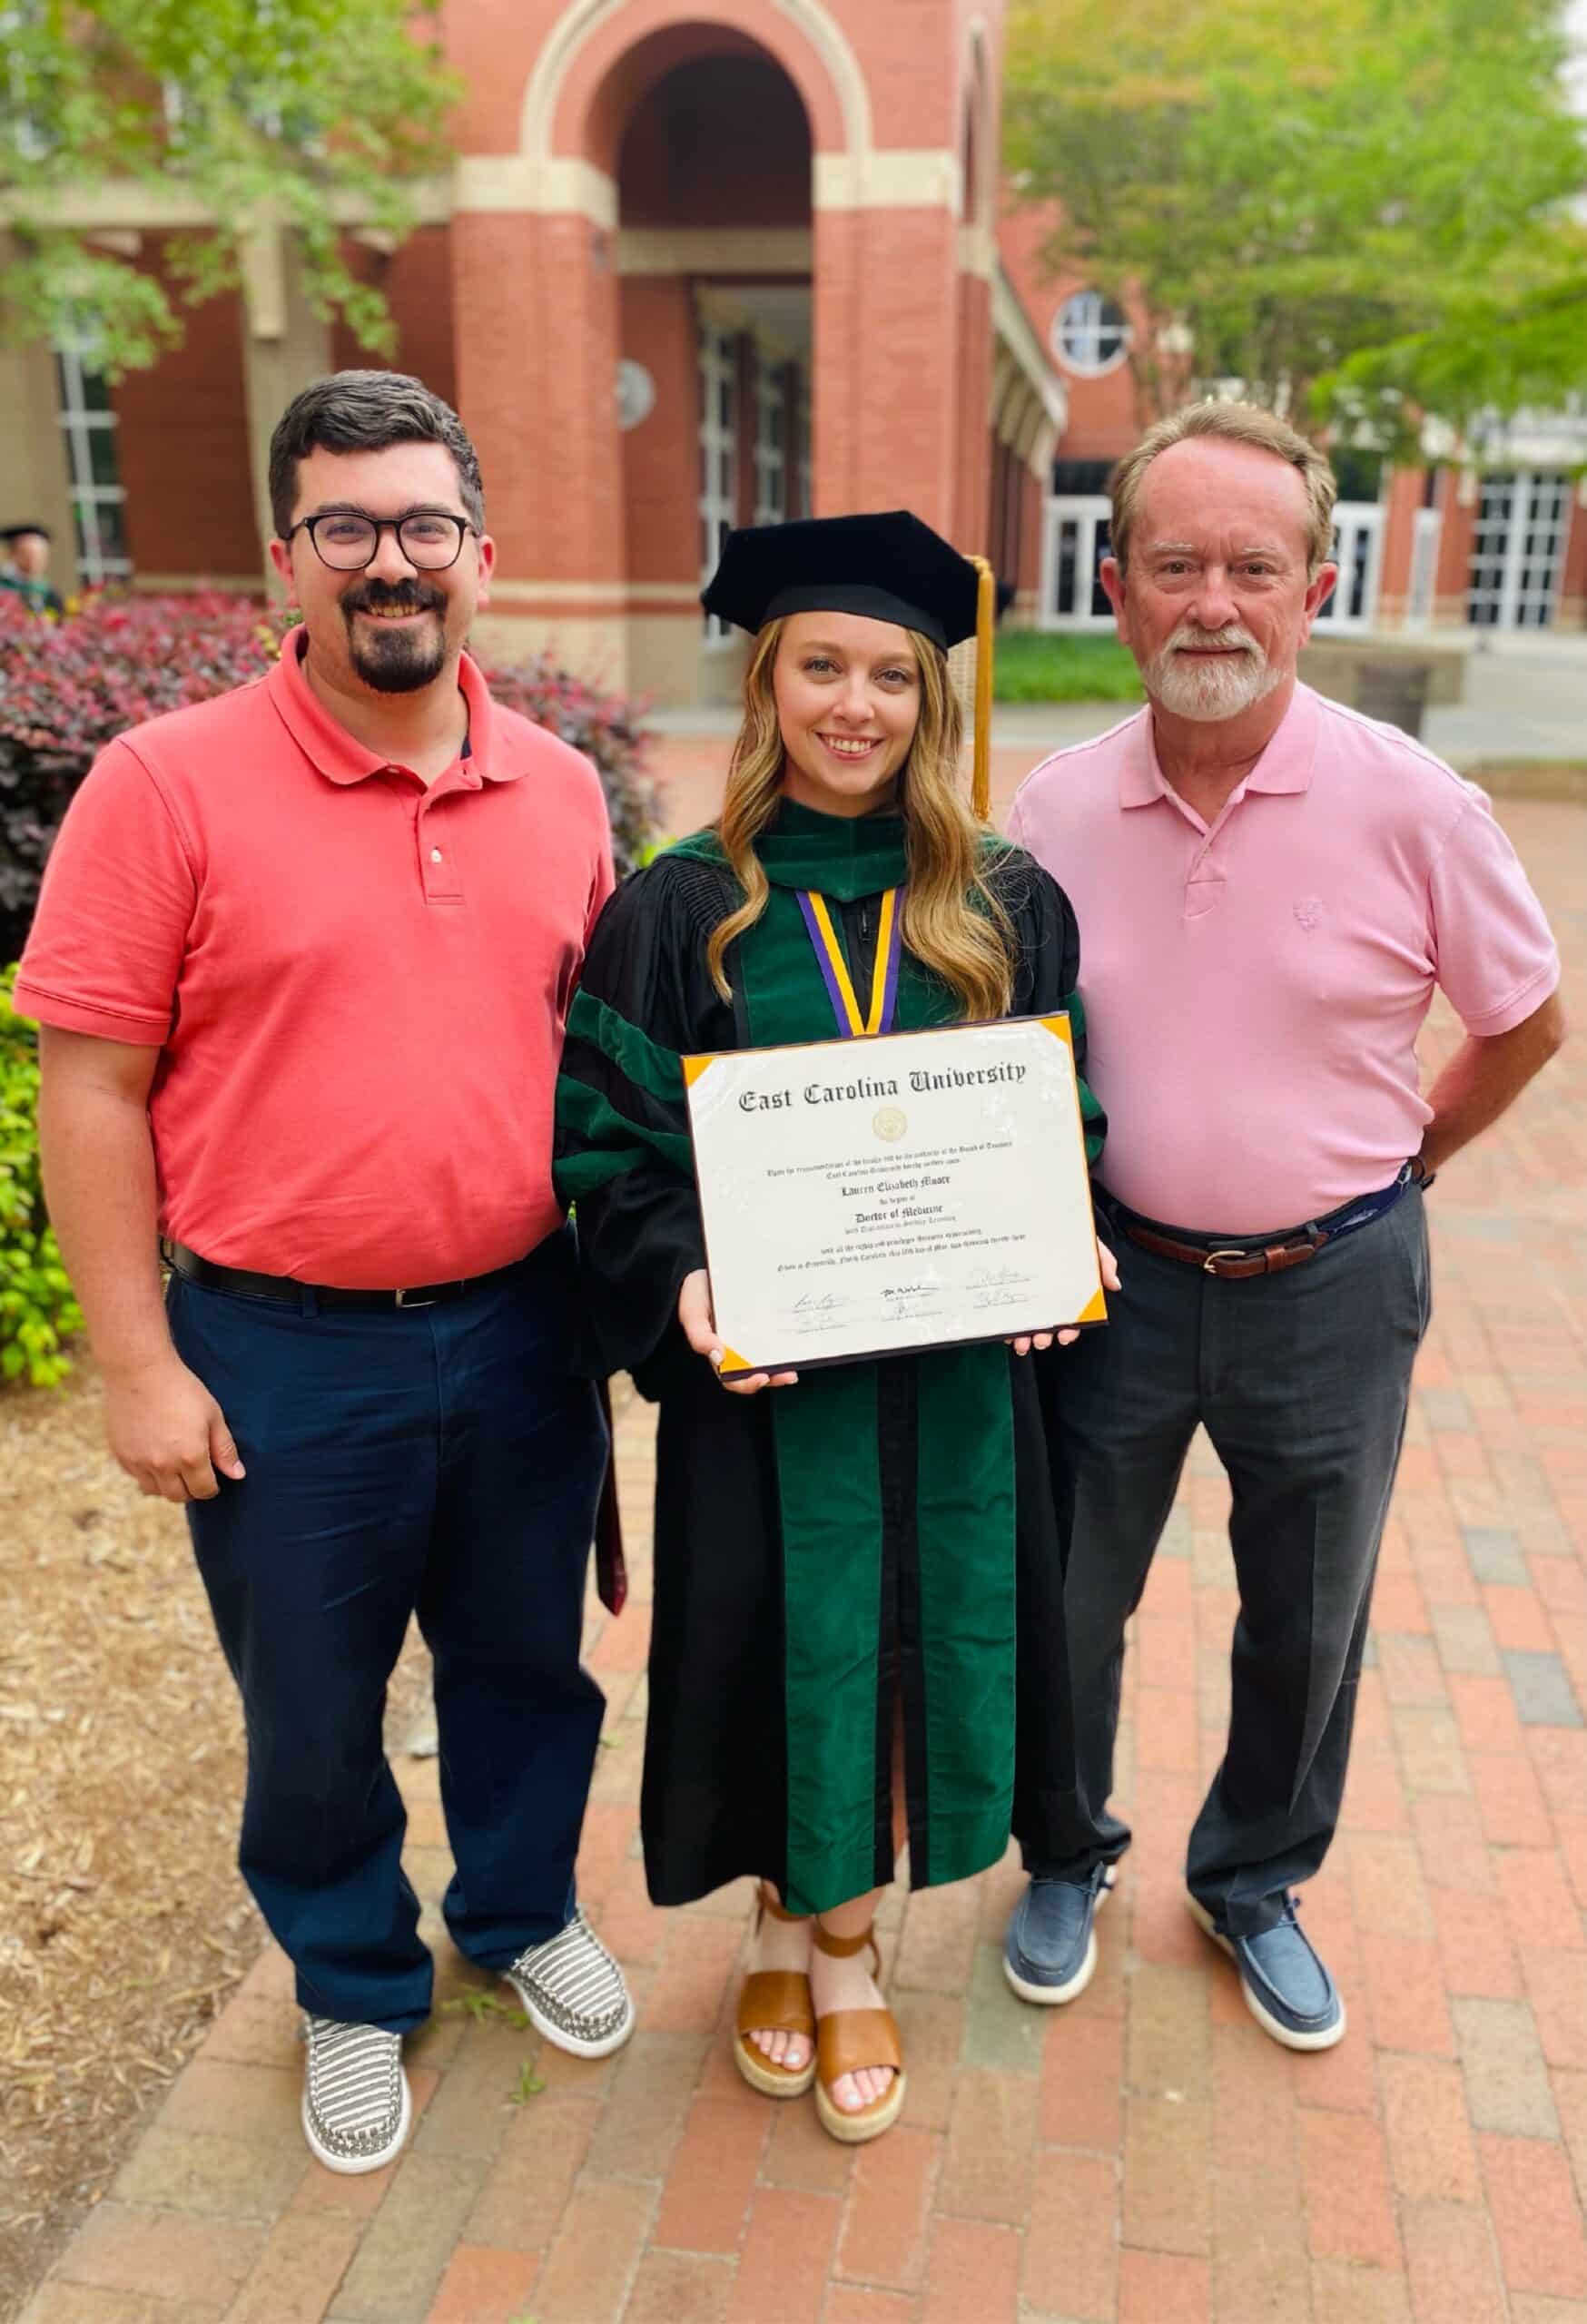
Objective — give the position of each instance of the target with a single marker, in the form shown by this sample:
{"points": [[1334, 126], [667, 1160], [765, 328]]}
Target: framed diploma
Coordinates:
{"points": [[912, 1190]]}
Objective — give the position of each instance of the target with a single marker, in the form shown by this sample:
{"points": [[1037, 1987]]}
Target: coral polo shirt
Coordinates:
{"points": [[357, 985], [1254, 991]]}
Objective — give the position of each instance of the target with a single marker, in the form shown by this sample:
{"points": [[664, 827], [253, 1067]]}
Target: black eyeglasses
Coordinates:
{"points": [[428, 538]]}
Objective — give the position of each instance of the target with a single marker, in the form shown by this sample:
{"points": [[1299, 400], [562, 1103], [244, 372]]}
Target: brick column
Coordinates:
{"points": [[535, 294], [1457, 497], [1399, 532], [886, 388], [285, 346], [973, 379]]}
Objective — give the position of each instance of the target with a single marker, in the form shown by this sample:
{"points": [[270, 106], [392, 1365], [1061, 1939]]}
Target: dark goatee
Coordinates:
{"points": [[399, 665], [394, 661]]}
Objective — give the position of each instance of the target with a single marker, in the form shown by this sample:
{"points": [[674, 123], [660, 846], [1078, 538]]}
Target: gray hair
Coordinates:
{"points": [[366, 411], [1230, 423]]}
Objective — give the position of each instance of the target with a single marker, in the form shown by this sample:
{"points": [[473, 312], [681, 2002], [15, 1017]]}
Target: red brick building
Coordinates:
{"points": [[699, 264]]}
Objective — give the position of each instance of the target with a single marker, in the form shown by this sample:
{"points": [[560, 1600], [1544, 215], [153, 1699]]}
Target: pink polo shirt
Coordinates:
{"points": [[356, 985], [1253, 992]]}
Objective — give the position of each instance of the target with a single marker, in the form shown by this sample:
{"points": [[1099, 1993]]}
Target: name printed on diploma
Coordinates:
{"points": [[940, 1194]]}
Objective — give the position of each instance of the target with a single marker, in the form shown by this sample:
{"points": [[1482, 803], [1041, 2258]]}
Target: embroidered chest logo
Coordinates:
{"points": [[1308, 910]]}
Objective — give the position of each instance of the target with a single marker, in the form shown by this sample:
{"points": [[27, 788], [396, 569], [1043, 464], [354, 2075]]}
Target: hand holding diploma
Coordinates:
{"points": [[1039, 1340], [699, 1328]]}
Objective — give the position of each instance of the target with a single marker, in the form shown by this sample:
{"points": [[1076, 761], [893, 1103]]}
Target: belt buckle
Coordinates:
{"points": [[1209, 1263], [406, 1299]]}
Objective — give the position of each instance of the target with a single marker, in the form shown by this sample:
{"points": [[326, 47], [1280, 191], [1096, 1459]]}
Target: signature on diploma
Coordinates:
{"points": [[819, 1302], [996, 1279], [905, 1300]]}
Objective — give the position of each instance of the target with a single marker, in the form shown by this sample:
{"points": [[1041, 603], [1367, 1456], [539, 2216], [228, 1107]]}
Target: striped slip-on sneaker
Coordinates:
{"points": [[574, 1992], [356, 2106]]}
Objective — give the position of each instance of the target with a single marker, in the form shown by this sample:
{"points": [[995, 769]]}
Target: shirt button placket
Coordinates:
{"points": [[437, 868]]}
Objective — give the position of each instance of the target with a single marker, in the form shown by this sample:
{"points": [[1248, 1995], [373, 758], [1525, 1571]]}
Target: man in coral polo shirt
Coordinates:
{"points": [[302, 960], [1269, 888]]}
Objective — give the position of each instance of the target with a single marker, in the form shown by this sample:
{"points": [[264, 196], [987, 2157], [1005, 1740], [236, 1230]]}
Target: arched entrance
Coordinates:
{"points": [[715, 332], [721, 280]]}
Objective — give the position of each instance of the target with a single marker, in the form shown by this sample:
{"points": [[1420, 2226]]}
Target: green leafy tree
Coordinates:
{"points": [[1367, 207], [295, 114]]}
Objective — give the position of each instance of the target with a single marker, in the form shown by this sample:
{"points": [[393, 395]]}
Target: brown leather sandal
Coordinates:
{"points": [[848, 2039], [773, 2000]]}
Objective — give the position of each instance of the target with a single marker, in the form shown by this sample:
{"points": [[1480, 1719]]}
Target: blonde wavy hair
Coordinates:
{"points": [[953, 923]]}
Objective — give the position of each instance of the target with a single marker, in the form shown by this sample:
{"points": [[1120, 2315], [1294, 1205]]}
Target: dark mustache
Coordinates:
{"points": [[389, 596]]}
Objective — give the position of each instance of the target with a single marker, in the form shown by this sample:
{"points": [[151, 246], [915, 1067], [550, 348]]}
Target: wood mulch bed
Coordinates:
{"points": [[124, 1924]]}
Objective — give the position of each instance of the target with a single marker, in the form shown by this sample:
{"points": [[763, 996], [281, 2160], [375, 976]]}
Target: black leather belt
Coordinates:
{"points": [[288, 1292]]}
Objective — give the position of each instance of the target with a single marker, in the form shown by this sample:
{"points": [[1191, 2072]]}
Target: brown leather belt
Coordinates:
{"points": [[1229, 1264], [1235, 1262]]}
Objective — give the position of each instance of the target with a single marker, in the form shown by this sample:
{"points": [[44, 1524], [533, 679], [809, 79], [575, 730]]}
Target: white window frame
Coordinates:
{"points": [[770, 450], [1080, 330], [1357, 551], [1539, 500], [80, 424], [1085, 518], [718, 458]]}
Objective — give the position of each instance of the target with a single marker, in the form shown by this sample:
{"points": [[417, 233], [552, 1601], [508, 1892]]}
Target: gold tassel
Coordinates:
{"points": [[986, 613]]}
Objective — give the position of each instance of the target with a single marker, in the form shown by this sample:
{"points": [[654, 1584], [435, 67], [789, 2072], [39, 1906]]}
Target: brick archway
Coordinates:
{"points": [[561, 114], [886, 364]]}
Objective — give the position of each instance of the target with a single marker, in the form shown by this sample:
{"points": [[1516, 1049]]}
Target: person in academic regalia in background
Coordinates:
{"points": [[833, 1664]]}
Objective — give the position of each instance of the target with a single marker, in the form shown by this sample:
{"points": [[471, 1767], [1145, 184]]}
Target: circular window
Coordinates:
{"points": [[1090, 332]]}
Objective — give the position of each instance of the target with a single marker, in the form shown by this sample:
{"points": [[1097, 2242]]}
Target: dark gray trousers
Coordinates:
{"points": [[1302, 1381]]}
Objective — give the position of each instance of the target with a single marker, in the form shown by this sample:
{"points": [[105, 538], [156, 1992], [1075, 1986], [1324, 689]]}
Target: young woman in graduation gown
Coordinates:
{"points": [[835, 1661]]}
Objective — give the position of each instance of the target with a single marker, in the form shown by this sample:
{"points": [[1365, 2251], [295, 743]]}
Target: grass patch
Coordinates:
{"points": [[1063, 665]]}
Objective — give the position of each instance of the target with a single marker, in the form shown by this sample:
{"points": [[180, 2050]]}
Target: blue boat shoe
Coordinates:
{"points": [[1051, 1948], [1287, 1984]]}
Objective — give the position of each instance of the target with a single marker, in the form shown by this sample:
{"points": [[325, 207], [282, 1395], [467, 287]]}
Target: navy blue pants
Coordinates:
{"points": [[439, 1460]]}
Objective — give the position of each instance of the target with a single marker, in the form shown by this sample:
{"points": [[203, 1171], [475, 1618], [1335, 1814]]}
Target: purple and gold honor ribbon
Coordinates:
{"points": [[834, 968]]}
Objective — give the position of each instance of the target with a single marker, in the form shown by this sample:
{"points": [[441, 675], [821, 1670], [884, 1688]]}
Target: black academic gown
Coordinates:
{"points": [[790, 1631]]}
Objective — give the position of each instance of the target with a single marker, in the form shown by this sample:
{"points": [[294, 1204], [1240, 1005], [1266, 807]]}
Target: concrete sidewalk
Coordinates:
{"points": [[1146, 2156]]}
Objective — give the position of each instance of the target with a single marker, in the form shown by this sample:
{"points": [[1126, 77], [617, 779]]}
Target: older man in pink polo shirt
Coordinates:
{"points": [[302, 959], [1269, 888]]}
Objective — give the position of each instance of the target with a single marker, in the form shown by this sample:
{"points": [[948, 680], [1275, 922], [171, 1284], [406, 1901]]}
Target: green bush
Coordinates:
{"points": [[37, 1311], [1064, 665]]}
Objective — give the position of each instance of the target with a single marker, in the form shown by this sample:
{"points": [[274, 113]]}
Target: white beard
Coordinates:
{"points": [[1209, 692]]}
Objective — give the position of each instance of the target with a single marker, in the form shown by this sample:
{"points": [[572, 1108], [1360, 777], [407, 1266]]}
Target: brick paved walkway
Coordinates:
{"points": [[1145, 2155]]}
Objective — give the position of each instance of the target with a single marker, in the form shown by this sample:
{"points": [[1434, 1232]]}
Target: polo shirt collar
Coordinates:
{"points": [[1285, 765], [340, 756]]}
